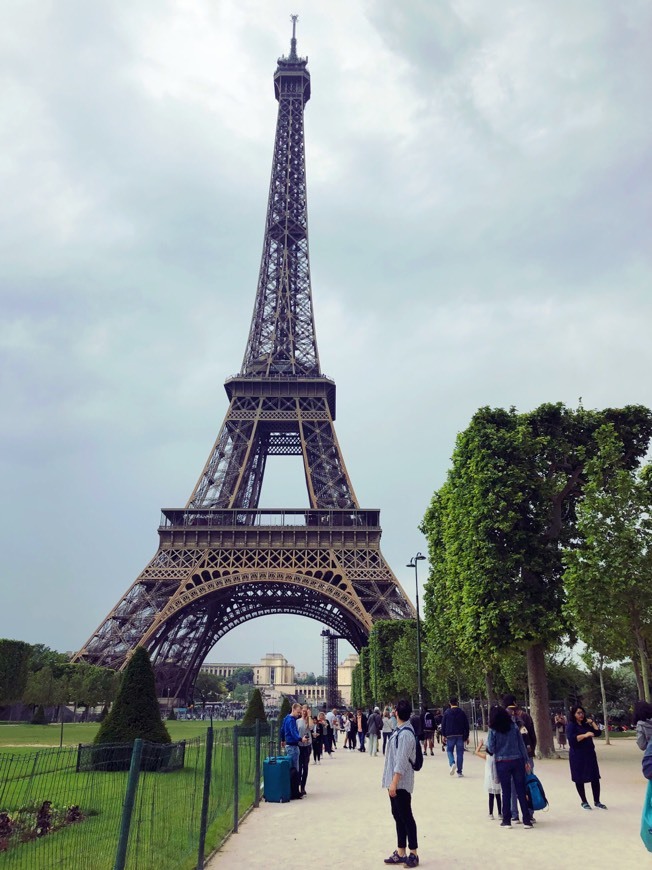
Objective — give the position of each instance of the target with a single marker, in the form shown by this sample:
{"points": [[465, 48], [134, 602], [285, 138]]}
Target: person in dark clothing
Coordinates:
{"points": [[317, 731], [525, 725], [455, 731], [581, 732], [361, 722]]}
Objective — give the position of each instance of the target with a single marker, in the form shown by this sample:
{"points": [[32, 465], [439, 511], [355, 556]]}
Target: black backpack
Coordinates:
{"points": [[417, 764]]}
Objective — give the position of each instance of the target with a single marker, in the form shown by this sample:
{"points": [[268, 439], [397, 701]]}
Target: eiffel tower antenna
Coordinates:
{"points": [[221, 559]]}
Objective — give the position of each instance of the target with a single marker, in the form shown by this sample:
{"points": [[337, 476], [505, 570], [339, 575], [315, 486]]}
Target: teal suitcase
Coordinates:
{"points": [[276, 779]]}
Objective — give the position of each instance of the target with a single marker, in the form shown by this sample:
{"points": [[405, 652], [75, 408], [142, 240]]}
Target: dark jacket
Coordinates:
{"points": [[526, 727], [374, 723], [582, 757], [455, 723]]}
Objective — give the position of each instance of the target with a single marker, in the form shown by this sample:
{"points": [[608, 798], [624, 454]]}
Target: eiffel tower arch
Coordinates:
{"points": [[222, 560]]}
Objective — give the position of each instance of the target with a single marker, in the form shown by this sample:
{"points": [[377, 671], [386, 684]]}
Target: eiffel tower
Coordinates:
{"points": [[222, 560]]}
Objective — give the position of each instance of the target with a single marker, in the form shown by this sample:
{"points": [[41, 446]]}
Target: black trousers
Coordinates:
{"points": [[595, 788], [406, 827], [304, 761]]}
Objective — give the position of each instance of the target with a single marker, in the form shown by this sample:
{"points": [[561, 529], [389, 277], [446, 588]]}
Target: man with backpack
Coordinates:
{"points": [[398, 779], [428, 721], [374, 729]]}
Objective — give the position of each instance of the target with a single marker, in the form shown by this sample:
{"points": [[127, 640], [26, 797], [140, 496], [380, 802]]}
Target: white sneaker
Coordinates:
{"points": [[491, 816], [452, 770]]}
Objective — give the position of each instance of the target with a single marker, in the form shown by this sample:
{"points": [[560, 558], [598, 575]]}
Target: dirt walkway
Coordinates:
{"points": [[345, 820]]}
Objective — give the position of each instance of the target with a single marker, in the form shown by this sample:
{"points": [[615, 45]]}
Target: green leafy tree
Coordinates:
{"points": [[135, 712], [308, 680], [210, 687], [14, 669], [497, 527], [385, 685], [240, 676], [609, 567], [286, 708], [255, 710], [44, 689]]}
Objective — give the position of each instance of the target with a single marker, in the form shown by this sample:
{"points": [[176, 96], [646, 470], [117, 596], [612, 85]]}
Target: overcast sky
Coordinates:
{"points": [[479, 202]]}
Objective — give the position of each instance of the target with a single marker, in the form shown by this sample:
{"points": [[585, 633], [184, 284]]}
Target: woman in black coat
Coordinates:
{"points": [[583, 760]]}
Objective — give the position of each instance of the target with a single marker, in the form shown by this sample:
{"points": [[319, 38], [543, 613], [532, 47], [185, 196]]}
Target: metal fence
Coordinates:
{"points": [[69, 808]]}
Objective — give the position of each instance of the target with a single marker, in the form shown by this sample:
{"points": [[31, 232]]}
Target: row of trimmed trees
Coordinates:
{"points": [[40, 677], [540, 536]]}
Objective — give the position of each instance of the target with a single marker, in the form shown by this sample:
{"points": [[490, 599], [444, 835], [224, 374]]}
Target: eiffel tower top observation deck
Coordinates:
{"points": [[222, 560]]}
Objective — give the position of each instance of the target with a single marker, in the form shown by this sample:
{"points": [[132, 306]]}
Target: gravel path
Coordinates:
{"points": [[345, 821]]}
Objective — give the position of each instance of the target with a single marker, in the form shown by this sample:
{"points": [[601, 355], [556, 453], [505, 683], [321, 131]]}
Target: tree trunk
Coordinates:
{"points": [[639, 678], [605, 716], [489, 685], [538, 683], [645, 665]]}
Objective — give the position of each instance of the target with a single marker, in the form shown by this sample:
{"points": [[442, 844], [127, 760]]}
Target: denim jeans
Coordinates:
{"points": [[514, 807], [508, 770], [451, 743], [292, 753]]}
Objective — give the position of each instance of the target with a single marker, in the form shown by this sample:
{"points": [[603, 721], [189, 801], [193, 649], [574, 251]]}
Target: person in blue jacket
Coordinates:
{"points": [[290, 735], [506, 745]]}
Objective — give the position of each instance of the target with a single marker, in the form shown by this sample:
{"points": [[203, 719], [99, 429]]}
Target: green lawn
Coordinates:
{"points": [[165, 824], [34, 736]]}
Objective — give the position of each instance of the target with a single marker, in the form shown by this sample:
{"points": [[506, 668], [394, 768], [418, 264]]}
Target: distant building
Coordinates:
{"points": [[275, 677]]}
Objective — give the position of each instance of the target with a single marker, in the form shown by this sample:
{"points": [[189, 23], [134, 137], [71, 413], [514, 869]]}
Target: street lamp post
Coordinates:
{"points": [[414, 563]]}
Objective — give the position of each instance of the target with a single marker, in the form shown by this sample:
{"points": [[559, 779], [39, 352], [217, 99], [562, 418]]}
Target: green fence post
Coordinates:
{"points": [[257, 773], [208, 767], [128, 808], [236, 779]]}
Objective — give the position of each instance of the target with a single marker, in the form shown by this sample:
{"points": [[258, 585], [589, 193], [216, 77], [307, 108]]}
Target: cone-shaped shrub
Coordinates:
{"points": [[286, 708], [135, 712], [255, 710]]}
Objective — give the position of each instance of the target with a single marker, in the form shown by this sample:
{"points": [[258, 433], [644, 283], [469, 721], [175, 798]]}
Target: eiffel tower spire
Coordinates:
{"points": [[222, 560], [282, 336]]}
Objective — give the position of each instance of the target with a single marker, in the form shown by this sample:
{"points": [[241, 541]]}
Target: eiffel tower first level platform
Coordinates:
{"points": [[222, 560]]}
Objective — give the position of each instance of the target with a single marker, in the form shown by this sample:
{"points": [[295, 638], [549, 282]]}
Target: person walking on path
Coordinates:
{"points": [[560, 729], [506, 745], [305, 747], [455, 731], [388, 726], [334, 722], [398, 779], [327, 734], [526, 727], [581, 732], [361, 721], [317, 740], [643, 719], [374, 727], [428, 719]]}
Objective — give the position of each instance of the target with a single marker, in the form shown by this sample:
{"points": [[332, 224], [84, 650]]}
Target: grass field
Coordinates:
{"points": [[34, 736], [165, 824]]}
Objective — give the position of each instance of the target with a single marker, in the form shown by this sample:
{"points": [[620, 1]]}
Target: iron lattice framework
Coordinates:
{"points": [[221, 560]]}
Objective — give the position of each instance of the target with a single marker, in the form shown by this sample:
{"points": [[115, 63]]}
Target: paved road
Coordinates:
{"points": [[345, 820]]}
